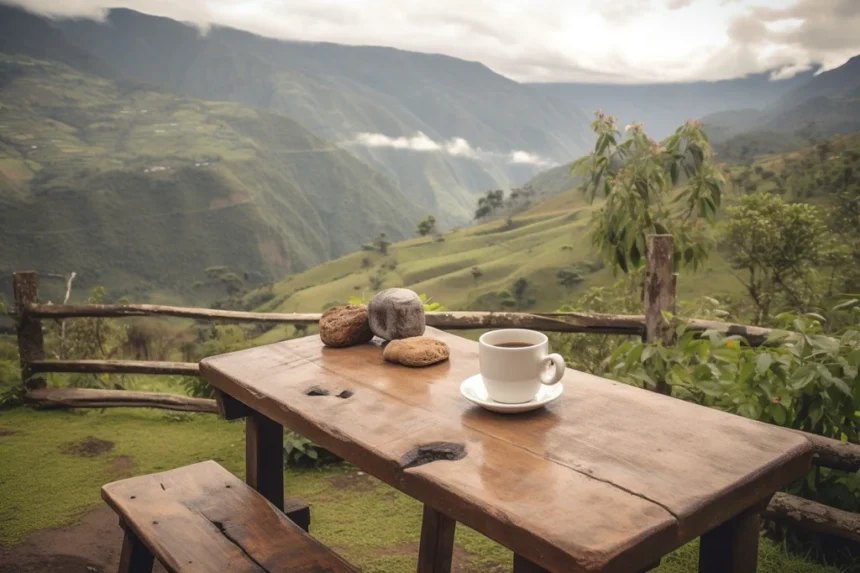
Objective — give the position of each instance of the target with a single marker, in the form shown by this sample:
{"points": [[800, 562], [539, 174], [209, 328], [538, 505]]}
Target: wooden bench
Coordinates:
{"points": [[202, 518]]}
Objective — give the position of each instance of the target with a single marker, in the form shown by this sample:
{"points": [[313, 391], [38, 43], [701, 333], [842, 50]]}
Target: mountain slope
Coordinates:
{"points": [[841, 82], [663, 107], [341, 91], [826, 104], [124, 184], [535, 245]]}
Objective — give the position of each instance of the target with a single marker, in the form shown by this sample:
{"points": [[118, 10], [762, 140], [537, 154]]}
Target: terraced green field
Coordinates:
{"points": [[536, 244]]}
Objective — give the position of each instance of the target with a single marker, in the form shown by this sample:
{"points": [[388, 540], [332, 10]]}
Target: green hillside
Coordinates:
{"points": [[340, 91], [536, 244], [123, 184]]}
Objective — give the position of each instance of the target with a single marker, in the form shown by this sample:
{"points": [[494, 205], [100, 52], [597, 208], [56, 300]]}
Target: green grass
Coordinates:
{"points": [[541, 241], [368, 522]]}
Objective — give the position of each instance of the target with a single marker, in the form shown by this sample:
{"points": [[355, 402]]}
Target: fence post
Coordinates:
{"points": [[31, 344], [659, 294]]}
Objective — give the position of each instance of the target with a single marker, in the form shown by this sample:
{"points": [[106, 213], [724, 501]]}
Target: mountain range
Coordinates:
{"points": [[441, 128], [123, 184], [137, 150]]}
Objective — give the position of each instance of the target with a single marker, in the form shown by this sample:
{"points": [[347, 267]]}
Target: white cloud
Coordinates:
{"points": [[460, 147], [418, 142], [548, 40], [677, 4], [456, 147], [526, 158]]}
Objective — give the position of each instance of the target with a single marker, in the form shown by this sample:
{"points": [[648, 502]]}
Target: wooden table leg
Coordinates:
{"points": [[523, 565], [437, 542], [733, 546], [135, 557], [264, 457]]}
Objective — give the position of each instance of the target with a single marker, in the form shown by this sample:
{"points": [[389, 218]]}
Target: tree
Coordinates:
{"points": [[91, 338], [519, 199], [775, 245], [518, 291], [427, 226], [568, 277], [638, 179], [382, 243], [489, 203], [476, 274]]}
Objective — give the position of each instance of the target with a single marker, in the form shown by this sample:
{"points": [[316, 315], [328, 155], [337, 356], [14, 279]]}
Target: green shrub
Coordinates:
{"points": [[300, 452], [800, 378]]}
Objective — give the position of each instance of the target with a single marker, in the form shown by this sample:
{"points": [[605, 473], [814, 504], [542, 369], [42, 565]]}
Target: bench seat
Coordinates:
{"points": [[202, 518]]}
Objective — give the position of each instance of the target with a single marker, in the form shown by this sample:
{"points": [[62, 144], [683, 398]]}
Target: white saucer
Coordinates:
{"points": [[474, 391]]}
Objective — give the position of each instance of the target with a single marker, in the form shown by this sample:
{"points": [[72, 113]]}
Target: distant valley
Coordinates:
{"points": [[143, 190], [138, 152]]}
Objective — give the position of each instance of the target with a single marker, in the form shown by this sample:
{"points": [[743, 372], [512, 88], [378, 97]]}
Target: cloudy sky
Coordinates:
{"points": [[548, 40]]}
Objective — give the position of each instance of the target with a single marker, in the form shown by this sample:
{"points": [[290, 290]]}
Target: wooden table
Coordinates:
{"points": [[608, 478]]}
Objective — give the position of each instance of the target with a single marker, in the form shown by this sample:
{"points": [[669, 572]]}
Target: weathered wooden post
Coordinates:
{"points": [[659, 294], [31, 344]]}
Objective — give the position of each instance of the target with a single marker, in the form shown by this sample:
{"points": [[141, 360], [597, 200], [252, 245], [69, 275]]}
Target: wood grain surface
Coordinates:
{"points": [[203, 518], [607, 478]]}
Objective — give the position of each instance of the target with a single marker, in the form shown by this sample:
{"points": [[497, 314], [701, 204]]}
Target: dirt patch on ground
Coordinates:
{"points": [[88, 447], [5, 432], [354, 481], [122, 464], [90, 546]]}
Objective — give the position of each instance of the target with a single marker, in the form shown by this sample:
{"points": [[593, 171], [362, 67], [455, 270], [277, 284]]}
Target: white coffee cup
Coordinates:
{"points": [[514, 375]]}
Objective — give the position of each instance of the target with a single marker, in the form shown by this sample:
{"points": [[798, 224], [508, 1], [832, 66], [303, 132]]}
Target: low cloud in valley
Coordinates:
{"points": [[455, 147]]}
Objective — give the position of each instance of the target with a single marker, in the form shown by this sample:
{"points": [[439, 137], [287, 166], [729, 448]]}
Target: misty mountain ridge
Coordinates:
{"points": [[130, 187], [341, 91]]}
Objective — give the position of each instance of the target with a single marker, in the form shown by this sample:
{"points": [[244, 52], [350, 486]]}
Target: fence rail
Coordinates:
{"points": [[572, 322], [659, 297]]}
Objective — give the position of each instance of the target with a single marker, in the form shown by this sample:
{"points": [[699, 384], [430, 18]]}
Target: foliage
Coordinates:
{"points": [[520, 199], [197, 387], [299, 452], [12, 396], [491, 202], [518, 293], [808, 381], [776, 245], [637, 177], [589, 352], [87, 338], [11, 388], [380, 244], [476, 274], [427, 226], [801, 379], [568, 277], [430, 305]]}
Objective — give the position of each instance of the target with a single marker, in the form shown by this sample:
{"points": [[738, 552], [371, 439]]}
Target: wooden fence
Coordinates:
{"points": [[658, 297]]}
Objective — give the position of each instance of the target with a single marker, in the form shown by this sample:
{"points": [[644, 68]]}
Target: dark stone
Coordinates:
{"points": [[396, 313]]}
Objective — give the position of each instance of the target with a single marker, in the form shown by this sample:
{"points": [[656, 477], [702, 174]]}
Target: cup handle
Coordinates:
{"points": [[551, 377]]}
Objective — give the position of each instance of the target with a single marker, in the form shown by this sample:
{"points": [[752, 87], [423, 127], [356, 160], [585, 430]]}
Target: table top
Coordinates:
{"points": [[607, 478]]}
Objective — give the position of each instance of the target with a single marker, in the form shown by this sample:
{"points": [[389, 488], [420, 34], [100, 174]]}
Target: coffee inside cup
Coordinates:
{"points": [[513, 344]]}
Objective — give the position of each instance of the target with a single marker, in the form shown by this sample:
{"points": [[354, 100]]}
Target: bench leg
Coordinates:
{"points": [[437, 542], [135, 557], [733, 546], [264, 457]]}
